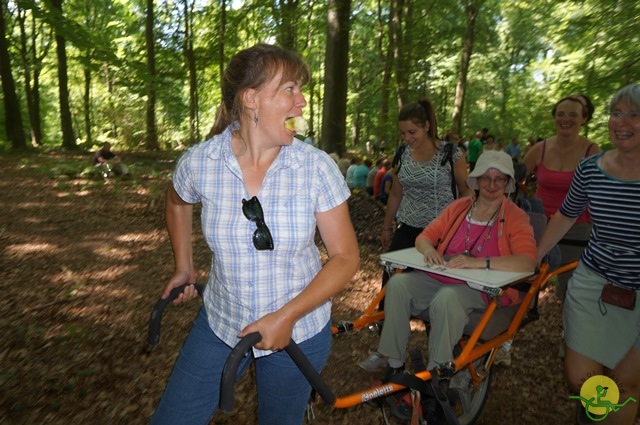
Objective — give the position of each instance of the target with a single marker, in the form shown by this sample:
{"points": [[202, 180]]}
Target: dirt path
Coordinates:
{"points": [[82, 264]]}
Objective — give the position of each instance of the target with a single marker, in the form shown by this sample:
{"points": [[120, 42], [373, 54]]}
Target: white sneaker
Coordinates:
{"points": [[503, 357], [374, 363]]}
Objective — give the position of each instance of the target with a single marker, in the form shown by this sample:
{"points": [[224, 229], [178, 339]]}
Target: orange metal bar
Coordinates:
{"points": [[374, 392], [369, 316]]}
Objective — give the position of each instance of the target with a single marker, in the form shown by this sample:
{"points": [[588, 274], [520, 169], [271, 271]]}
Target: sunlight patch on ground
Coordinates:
{"points": [[34, 204], [138, 237], [23, 249], [34, 220], [142, 190], [117, 254], [112, 274]]}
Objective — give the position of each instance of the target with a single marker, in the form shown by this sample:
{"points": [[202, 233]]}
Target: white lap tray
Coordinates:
{"points": [[489, 281]]}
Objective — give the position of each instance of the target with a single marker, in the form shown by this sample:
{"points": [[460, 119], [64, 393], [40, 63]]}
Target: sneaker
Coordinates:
{"points": [[503, 357], [374, 363]]}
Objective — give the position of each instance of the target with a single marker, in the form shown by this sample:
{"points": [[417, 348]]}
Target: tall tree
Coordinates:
{"points": [[13, 124], [393, 29], [34, 47], [223, 30], [286, 12], [151, 140], [402, 54], [66, 124], [190, 65], [471, 9], [334, 112]]}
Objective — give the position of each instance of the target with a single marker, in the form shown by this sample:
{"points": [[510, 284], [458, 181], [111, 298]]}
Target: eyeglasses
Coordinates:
{"points": [[498, 181], [632, 117], [262, 238]]}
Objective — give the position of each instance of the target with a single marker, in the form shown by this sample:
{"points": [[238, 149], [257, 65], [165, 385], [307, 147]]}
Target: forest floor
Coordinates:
{"points": [[83, 262]]}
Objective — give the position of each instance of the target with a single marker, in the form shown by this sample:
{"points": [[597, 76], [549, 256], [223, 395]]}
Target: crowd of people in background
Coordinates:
{"points": [[372, 171]]}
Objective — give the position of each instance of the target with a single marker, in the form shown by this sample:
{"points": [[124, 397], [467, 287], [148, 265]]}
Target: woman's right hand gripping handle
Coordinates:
{"points": [[230, 371]]}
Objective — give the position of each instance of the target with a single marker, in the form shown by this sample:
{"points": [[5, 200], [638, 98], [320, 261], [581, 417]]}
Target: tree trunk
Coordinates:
{"points": [[190, 63], [29, 67], [223, 28], [66, 123], [334, 111], [112, 117], [13, 123], [87, 104], [471, 9], [401, 53], [287, 29], [152, 132], [383, 119]]}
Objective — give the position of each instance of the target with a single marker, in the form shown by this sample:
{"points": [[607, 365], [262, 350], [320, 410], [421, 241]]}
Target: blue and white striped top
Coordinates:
{"points": [[246, 284], [613, 251]]}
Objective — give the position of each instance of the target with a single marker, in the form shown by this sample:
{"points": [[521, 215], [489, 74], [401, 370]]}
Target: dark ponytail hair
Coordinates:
{"points": [[253, 68], [420, 113]]}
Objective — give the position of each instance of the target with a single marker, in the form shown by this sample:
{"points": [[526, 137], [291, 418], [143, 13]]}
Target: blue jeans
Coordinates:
{"points": [[192, 395]]}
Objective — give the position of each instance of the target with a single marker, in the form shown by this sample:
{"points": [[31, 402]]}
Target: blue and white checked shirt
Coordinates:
{"points": [[246, 284]]}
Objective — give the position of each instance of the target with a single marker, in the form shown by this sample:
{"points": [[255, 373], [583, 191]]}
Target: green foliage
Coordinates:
{"points": [[526, 56]]}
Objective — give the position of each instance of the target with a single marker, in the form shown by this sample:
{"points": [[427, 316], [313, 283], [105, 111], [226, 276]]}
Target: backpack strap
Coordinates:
{"points": [[397, 157], [448, 149]]}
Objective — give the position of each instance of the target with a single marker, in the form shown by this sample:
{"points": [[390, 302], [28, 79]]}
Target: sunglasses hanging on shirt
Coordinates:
{"points": [[252, 210]]}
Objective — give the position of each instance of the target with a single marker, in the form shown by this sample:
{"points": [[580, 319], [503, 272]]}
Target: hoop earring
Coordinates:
{"points": [[255, 118]]}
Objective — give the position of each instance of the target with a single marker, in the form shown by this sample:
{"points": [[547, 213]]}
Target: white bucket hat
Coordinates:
{"points": [[499, 160]]}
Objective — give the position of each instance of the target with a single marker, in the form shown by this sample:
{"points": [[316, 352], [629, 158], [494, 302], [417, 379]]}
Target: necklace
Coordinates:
{"points": [[487, 228]]}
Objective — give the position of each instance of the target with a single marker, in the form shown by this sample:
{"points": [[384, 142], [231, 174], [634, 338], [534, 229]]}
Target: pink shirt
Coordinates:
{"points": [[478, 234], [553, 186]]}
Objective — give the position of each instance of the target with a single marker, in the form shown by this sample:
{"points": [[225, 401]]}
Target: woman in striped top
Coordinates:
{"points": [[601, 320]]}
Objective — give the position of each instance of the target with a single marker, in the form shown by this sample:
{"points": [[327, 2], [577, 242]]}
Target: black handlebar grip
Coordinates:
{"points": [[310, 373], [156, 315], [230, 370]]}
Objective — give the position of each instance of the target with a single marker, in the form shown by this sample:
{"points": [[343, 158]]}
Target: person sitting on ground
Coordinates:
{"points": [[355, 162], [371, 177], [344, 162], [600, 316], [387, 182], [488, 231], [361, 173], [309, 139], [514, 149], [382, 172], [108, 162]]}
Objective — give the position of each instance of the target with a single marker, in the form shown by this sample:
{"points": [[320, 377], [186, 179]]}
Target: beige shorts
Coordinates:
{"points": [[599, 331]]}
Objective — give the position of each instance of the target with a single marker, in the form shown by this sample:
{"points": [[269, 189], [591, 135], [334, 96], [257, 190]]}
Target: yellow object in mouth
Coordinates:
{"points": [[297, 124]]}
